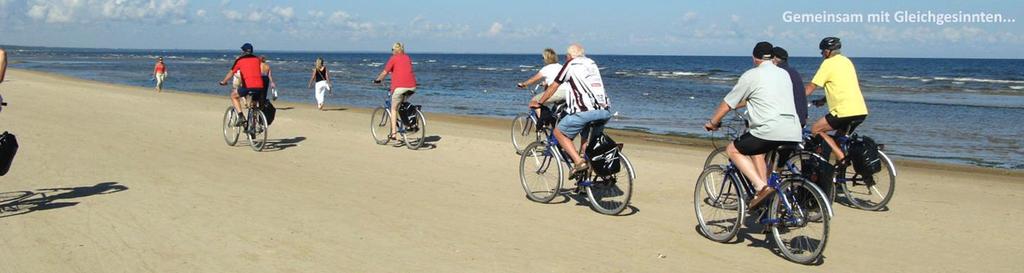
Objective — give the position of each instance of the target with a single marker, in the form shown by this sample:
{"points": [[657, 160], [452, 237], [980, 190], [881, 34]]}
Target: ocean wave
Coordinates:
{"points": [[967, 79], [431, 61], [722, 78], [487, 68], [525, 66], [458, 66], [1016, 87]]}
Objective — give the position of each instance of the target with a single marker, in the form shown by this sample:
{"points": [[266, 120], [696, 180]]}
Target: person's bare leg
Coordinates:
{"points": [[746, 166], [822, 128], [394, 114], [566, 144], [761, 166], [234, 101]]}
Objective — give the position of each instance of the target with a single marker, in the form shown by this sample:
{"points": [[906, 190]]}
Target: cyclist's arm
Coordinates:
{"points": [[550, 91], [227, 77], [810, 88], [716, 118], [530, 81], [380, 77], [3, 64]]}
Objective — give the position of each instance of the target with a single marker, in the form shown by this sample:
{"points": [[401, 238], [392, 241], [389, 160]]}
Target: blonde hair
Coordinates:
{"points": [[574, 50], [398, 47], [549, 56], [319, 63]]}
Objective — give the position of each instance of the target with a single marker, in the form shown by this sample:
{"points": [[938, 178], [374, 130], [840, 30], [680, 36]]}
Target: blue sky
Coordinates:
{"points": [[604, 27]]}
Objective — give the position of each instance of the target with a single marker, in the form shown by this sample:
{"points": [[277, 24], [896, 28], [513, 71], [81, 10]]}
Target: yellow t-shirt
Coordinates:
{"points": [[842, 90]]}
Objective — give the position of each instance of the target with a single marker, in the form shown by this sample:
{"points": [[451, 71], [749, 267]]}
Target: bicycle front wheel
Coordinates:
{"points": [[258, 130], [416, 133], [524, 132], [720, 211], [871, 192], [717, 157], [231, 131], [611, 194], [380, 125], [540, 172], [802, 220]]}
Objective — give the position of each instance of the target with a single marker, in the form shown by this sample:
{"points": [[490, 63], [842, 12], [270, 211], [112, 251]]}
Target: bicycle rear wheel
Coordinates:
{"points": [[611, 194], [540, 172], [257, 130], [870, 192], [524, 132], [380, 125], [231, 131], [801, 230], [416, 134], [721, 214]]}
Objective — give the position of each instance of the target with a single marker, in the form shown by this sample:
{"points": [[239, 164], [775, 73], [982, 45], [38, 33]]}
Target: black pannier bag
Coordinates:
{"points": [[547, 117], [864, 156], [407, 113], [604, 155], [8, 147], [270, 111]]}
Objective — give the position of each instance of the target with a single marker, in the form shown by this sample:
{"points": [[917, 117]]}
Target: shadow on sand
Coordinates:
{"points": [[22, 202]]}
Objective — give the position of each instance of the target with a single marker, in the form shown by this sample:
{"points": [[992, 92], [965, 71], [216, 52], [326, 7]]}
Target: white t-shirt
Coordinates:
{"points": [[769, 95], [586, 89], [549, 72]]}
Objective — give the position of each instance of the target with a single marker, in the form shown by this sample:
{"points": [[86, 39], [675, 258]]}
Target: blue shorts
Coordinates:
{"points": [[571, 125]]}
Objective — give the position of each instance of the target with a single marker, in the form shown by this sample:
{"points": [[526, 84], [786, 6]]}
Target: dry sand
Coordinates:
{"points": [[136, 181]]}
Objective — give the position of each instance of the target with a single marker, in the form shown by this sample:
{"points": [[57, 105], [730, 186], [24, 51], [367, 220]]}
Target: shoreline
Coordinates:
{"points": [[629, 135]]}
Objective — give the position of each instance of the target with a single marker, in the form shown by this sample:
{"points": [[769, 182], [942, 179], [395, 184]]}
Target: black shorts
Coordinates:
{"points": [[749, 144], [256, 93], [838, 123]]}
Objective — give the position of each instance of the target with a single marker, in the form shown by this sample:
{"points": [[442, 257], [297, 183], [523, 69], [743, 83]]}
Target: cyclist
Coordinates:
{"points": [[768, 92], [403, 81], [547, 73], [780, 57], [248, 65], [842, 93], [586, 101]]}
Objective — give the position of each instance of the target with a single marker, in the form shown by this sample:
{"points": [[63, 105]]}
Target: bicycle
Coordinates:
{"points": [[606, 192], [255, 125], [861, 191], [797, 214], [411, 123], [527, 127]]}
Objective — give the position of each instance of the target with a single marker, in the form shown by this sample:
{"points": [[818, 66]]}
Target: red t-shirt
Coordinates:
{"points": [[400, 67], [160, 68], [250, 67]]}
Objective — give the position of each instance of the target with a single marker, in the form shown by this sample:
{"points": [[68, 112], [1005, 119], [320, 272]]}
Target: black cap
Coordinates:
{"points": [[780, 53], [763, 50], [247, 47]]}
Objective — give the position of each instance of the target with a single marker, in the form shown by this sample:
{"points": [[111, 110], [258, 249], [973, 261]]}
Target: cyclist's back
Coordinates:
{"points": [[252, 79], [842, 89]]}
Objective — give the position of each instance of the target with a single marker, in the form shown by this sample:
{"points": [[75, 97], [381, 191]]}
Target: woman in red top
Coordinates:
{"points": [[403, 80], [159, 73]]}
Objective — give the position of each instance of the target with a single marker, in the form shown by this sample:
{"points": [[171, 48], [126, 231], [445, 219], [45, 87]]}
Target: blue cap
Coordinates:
{"points": [[247, 47]]}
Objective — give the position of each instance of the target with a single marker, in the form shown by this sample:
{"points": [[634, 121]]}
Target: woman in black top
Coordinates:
{"points": [[322, 80]]}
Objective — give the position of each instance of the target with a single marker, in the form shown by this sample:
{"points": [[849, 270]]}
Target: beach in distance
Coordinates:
{"points": [[114, 177]]}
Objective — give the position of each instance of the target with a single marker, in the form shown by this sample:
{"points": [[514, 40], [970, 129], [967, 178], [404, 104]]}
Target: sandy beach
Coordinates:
{"points": [[115, 178]]}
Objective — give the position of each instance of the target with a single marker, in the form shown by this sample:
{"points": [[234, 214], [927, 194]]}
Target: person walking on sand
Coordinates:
{"points": [[159, 73], [3, 64], [403, 81], [268, 77], [322, 81]]}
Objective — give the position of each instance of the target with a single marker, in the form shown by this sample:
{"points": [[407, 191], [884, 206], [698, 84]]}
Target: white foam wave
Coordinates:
{"points": [[1016, 87], [967, 79], [487, 68]]}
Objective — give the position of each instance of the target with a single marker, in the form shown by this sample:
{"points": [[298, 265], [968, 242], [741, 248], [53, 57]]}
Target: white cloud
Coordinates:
{"points": [[201, 13], [274, 14], [68, 11], [689, 16], [495, 29], [735, 18]]}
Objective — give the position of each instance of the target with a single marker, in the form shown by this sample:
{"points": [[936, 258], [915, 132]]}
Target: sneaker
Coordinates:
{"points": [[239, 120]]}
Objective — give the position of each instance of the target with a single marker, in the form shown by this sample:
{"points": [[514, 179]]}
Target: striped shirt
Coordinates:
{"points": [[586, 89]]}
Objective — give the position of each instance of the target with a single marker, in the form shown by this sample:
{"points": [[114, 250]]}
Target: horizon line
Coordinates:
{"points": [[475, 53]]}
